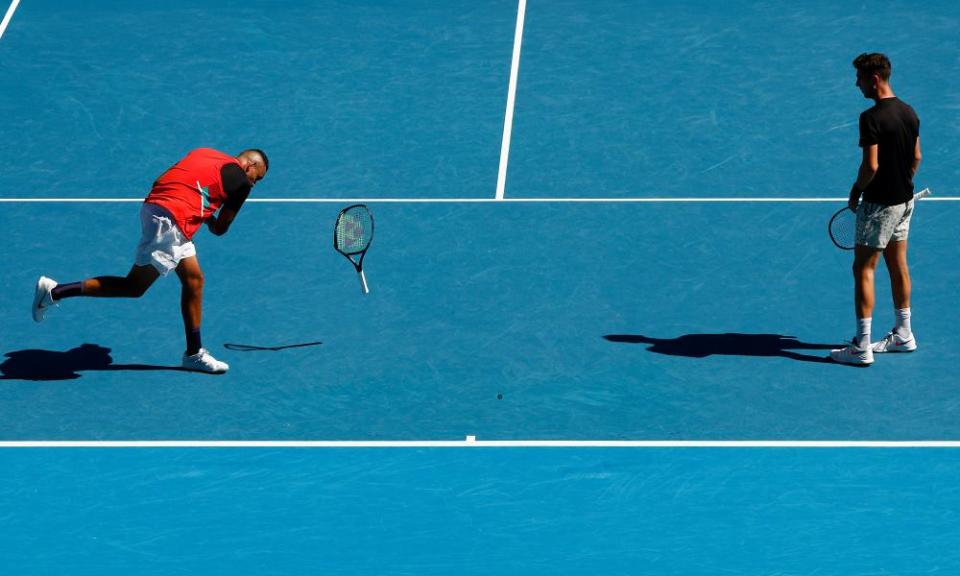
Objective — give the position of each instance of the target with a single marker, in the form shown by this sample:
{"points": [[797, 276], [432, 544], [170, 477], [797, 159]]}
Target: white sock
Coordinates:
{"points": [[902, 327], [863, 332]]}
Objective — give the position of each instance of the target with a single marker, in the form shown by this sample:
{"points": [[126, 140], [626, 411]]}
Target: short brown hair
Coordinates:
{"points": [[873, 63]]}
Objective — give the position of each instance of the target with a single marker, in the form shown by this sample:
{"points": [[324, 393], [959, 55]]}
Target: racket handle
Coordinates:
{"points": [[922, 194], [363, 282]]}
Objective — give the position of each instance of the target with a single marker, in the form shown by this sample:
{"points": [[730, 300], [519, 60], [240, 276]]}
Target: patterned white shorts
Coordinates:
{"points": [[162, 244], [878, 225]]}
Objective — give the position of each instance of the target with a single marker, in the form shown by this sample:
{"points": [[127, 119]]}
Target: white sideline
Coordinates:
{"points": [[511, 99], [8, 16]]}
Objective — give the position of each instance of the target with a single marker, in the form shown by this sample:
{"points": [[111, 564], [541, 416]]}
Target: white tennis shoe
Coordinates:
{"points": [[202, 361], [893, 342], [853, 355], [43, 297]]}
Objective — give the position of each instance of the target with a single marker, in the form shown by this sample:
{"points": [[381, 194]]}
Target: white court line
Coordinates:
{"points": [[664, 200], [511, 99], [470, 443], [8, 16]]}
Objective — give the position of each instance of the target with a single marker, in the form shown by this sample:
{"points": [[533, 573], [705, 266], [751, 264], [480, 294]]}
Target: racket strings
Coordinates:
{"points": [[843, 228], [354, 230]]}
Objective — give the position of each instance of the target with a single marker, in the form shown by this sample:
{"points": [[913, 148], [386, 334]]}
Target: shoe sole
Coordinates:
{"points": [[202, 370], [854, 364], [847, 363]]}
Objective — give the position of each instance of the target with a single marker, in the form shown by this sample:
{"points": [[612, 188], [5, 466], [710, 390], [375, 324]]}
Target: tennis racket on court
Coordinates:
{"points": [[843, 224], [352, 235]]}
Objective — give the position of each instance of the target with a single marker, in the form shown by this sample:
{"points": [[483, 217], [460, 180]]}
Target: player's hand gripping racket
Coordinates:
{"points": [[352, 236], [843, 224]]}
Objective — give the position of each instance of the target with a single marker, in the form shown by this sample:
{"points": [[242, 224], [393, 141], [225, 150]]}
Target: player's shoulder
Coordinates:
{"points": [[904, 111], [207, 152], [908, 107]]}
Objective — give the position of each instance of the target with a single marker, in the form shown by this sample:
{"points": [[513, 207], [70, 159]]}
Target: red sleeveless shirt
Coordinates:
{"points": [[192, 190]]}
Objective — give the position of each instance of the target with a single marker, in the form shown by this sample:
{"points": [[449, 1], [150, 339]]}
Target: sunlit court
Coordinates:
{"points": [[500, 287]]}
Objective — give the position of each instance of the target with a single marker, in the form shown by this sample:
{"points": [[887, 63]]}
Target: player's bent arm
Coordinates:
{"points": [[221, 223], [868, 166], [917, 157], [868, 169]]}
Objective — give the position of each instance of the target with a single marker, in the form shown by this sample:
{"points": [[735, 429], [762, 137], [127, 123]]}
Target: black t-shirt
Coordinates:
{"points": [[894, 127], [235, 185]]}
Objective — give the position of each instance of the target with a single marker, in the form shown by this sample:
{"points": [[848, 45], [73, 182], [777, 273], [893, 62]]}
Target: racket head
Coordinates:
{"points": [[353, 231], [843, 228]]}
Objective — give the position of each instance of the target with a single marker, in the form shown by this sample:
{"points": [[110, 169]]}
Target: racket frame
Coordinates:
{"points": [[357, 264], [921, 194], [833, 218]]}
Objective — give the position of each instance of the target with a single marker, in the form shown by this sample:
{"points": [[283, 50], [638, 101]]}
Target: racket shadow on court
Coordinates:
{"points": [[42, 365], [255, 348], [729, 344]]}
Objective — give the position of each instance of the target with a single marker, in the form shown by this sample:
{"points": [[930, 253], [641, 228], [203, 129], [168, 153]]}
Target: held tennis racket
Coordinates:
{"points": [[843, 224], [352, 235]]}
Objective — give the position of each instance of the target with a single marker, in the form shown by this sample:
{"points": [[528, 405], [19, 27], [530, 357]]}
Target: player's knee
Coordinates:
{"points": [[896, 263], [897, 268], [195, 282]]}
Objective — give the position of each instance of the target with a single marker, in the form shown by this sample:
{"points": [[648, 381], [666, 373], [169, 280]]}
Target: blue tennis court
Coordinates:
{"points": [[626, 244]]}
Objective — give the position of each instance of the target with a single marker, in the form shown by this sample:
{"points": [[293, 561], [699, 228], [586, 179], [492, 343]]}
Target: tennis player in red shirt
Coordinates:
{"points": [[183, 198]]}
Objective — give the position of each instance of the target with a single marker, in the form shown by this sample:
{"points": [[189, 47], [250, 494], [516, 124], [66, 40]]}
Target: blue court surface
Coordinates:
{"points": [[628, 243]]}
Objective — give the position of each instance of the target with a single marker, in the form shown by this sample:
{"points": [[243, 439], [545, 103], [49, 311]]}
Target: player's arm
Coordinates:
{"points": [[220, 223], [917, 156], [237, 187], [868, 169]]}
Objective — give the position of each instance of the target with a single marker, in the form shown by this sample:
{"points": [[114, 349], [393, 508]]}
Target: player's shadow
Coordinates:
{"points": [[54, 365], [729, 344]]}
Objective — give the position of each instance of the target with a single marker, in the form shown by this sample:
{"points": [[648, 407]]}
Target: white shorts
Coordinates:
{"points": [[878, 225], [162, 244]]}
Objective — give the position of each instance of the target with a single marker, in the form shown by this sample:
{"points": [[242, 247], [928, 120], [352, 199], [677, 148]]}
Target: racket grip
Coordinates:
{"points": [[363, 282]]}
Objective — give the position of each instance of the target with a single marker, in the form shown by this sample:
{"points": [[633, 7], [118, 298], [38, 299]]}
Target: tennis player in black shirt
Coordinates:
{"points": [[890, 139]]}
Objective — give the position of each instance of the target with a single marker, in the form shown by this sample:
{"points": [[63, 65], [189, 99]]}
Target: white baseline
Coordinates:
{"points": [[471, 442]]}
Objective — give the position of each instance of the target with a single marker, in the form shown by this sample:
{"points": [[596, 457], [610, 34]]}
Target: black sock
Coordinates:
{"points": [[67, 290], [193, 341]]}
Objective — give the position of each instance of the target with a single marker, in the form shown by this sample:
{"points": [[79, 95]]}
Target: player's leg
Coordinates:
{"points": [[191, 295], [859, 352], [133, 285], [900, 338], [895, 257], [865, 262], [155, 255], [191, 307]]}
